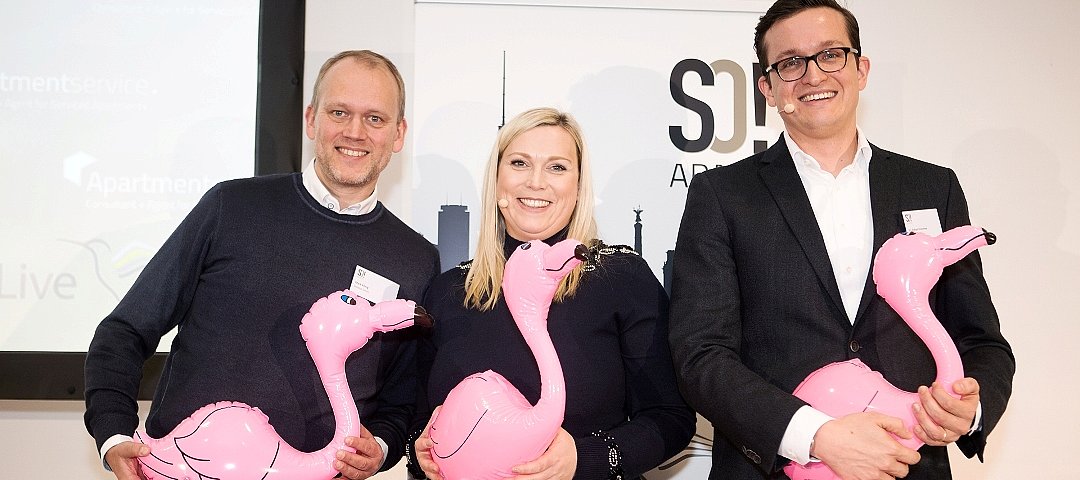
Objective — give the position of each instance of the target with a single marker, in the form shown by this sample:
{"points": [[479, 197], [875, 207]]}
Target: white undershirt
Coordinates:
{"points": [[320, 193]]}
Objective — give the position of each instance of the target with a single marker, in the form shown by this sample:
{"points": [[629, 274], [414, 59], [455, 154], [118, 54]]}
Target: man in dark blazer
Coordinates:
{"points": [[771, 278]]}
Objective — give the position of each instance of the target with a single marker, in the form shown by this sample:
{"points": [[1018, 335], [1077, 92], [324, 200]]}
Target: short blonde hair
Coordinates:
{"points": [[483, 284]]}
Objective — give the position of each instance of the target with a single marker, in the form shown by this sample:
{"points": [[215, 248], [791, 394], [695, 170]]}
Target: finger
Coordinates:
{"points": [[434, 415], [897, 470], [358, 461], [956, 414], [951, 405], [932, 408], [130, 450], [908, 456], [927, 429], [966, 386], [346, 470], [431, 470], [364, 433], [366, 447], [423, 444], [894, 426], [926, 437], [530, 468]]}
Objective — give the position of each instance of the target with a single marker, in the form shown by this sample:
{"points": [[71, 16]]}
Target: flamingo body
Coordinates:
{"points": [[499, 415], [905, 269], [486, 426], [235, 441]]}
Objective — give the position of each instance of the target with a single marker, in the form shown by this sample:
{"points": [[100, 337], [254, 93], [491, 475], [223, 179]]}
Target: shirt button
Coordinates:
{"points": [[331, 206], [847, 270], [854, 346]]}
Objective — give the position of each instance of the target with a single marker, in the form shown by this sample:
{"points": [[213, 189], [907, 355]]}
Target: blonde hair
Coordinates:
{"points": [[483, 284]]}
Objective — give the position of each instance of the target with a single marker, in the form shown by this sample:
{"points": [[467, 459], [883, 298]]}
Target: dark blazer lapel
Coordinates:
{"points": [[885, 207], [780, 177]]}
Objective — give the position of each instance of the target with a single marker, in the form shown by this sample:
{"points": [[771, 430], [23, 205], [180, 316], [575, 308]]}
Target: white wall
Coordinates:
{"points": [[984, 87]]}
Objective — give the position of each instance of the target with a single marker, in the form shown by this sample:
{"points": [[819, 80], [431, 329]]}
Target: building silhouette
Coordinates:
{"points": [[668, 264], [453, 238], [637, 230]]}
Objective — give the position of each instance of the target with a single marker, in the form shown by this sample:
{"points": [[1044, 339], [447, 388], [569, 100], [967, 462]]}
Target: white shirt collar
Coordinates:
{"points": [[322, 195], [863, 152]]}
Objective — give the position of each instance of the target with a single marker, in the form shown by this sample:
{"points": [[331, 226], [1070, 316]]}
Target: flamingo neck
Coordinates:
{"points": [[346, 414], [916, 312], [552, 383]]}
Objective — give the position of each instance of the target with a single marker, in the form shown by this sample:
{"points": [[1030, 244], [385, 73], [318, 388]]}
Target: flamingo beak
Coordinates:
{"points": [[581, 252], [422, 318], [990, 237]]}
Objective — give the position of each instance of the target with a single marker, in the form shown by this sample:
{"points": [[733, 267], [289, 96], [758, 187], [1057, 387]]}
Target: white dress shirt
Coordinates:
{"points": [[842, 207], [322, 194]]}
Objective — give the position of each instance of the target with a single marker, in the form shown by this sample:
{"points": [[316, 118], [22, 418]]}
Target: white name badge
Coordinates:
{"points": [[373, 287], [922, 221]]}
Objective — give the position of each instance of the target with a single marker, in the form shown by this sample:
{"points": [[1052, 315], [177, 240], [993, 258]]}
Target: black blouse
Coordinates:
{"points": [[611, 337]]}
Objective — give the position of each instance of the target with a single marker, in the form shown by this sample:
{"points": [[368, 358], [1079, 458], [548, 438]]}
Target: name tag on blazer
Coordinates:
{"points": [[922, 221]]}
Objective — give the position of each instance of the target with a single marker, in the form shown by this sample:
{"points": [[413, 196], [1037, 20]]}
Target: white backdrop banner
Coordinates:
{"points": [[661, 94]]}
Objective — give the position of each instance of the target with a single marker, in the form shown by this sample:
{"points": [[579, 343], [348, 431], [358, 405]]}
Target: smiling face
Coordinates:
{"points": [[538, 177], [356, 127], [825, 103]]}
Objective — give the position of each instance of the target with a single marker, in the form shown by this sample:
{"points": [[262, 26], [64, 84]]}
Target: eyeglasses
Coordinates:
{"points": [[829, 60]]}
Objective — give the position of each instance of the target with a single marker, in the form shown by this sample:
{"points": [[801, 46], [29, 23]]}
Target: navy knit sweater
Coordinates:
{"points": [[611, 337], [236, 277]]}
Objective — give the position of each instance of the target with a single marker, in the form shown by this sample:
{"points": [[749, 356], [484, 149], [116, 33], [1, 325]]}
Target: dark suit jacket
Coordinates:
{"points": [[755, 306]]}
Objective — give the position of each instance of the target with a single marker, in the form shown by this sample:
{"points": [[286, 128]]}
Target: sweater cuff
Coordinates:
{"points": [[592, 463], [599, 457], [392, 449], [106, 427]]}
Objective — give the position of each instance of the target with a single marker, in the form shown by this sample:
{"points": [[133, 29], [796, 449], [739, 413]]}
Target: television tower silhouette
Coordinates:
{"points": [[637, 230], [453, 240], [503, 124]]}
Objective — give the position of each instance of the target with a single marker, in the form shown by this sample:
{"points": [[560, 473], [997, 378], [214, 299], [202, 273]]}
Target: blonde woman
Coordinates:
{"points": [[624, 414]]}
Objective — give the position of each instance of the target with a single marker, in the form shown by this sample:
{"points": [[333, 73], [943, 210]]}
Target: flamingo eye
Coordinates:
{"points": [[349, 300], [526, 246]]}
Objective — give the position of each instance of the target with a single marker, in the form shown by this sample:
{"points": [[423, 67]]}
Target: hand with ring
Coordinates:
{"points": [[941, 418]]}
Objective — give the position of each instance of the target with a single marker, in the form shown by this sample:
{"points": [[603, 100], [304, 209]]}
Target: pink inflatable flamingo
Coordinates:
{"points": [[233, 441], [905, 269], [485, 426]]}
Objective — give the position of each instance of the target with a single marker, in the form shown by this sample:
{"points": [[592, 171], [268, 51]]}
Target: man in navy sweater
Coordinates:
{"points": [[241, 270]]}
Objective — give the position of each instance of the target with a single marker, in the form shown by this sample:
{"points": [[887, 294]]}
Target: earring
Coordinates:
{"points": [[503, 203]]}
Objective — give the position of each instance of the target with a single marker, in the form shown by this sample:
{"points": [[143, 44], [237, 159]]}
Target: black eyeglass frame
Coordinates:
{"points": [[811, 58]]}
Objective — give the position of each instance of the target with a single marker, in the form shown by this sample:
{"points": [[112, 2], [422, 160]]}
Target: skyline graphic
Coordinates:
{"points": [[453, 239]]}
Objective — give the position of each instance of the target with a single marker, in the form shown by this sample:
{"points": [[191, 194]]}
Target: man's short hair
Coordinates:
{"points": [[371, 60], [784, 9]]}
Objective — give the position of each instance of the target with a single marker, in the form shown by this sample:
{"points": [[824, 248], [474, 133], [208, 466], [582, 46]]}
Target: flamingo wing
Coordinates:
{"points": [[232, 440]]}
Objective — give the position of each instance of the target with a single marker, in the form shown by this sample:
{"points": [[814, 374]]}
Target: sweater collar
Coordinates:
{"points": [[510, 243]]}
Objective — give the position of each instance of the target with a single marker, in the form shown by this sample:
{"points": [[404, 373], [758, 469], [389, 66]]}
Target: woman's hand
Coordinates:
{"points": [[559, 462], [422, 448]]}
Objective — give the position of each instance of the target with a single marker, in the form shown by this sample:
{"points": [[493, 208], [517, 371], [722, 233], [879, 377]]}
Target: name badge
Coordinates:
{"points": [[922, 221], [373, 287]]}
